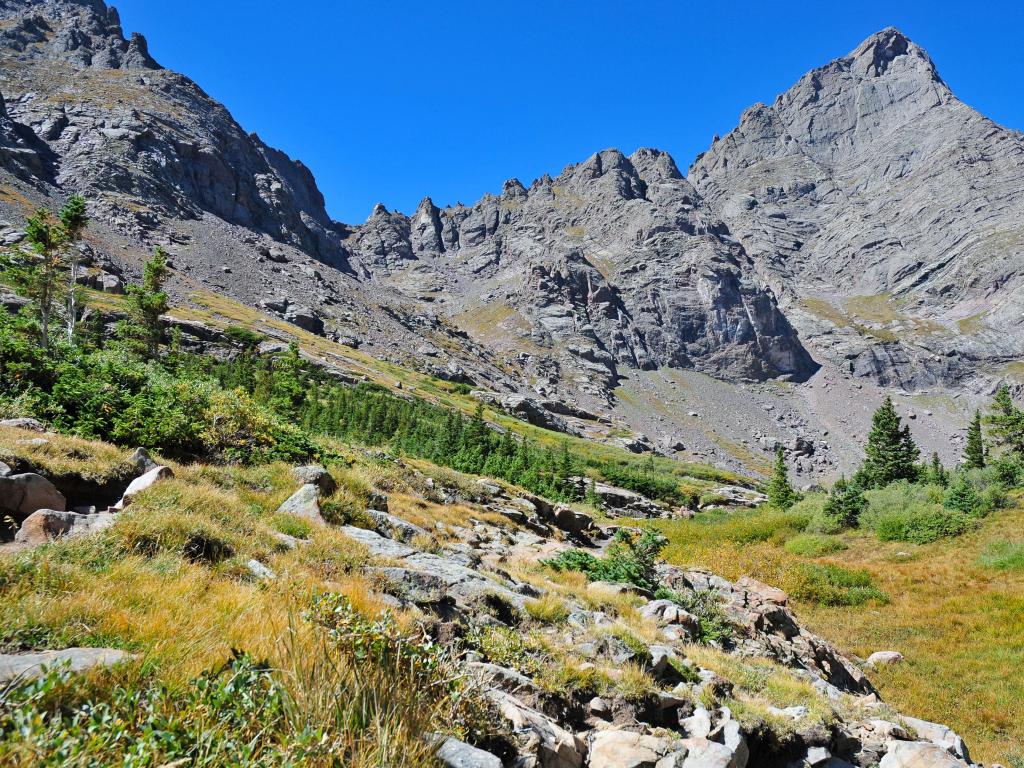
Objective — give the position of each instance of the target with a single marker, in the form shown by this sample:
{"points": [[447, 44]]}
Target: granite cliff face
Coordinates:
{"points": [[861, 235], [617, 263], [873, 197]]}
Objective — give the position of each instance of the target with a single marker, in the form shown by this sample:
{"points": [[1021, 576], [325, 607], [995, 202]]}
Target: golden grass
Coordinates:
{"points": [[63, 454], [959, 625]]}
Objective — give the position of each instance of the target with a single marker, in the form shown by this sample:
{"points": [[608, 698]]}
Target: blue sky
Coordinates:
{"points": [[391, 101]]}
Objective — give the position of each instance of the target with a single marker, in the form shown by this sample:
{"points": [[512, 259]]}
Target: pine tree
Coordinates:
{"points": [[142, 333], [45, 236], [974, 452], [936, 472], [73, 220], [1006, 423], [845, 503], [780, 493], [891, 452], [961, 495]]}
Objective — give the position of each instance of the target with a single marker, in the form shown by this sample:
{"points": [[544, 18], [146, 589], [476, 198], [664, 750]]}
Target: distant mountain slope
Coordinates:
{"points": [[869, 178], [862, 233]]}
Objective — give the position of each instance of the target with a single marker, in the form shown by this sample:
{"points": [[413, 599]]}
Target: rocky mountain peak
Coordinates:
{"points": [[86, 33], [876, 54]]}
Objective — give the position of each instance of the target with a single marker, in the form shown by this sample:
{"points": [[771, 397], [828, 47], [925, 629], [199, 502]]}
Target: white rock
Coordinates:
{"points": [[141, 483]]}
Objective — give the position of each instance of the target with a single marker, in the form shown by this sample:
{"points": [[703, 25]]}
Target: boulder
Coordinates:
{"points": [[458, 754], [141, 483], [31, 665], [763, 592], [538, 735], [939, 735], [304, 503], [314, 474], [666, 612], [918, 754], [883, 659], [45, 525], [702, 753], [571, 521], [625, 749], [259, 570], [736, 496], [142, 461], [24, 423], [394, 527], [23, 494]]}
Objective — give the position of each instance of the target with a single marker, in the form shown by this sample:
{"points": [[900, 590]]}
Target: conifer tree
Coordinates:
{"points": [[891, 452], [780, 493], [974, 451], [1006, 423], [73, 220], [845, 503], [142, 333], [961, 495], [936, 472]]}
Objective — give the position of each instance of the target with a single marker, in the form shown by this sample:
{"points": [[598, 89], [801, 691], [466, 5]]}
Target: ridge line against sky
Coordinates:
{"points": [[393, 102]]}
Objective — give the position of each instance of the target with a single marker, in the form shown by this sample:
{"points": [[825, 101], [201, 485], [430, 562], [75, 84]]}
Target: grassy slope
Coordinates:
{"points": [[959, 623], [145, 587]]}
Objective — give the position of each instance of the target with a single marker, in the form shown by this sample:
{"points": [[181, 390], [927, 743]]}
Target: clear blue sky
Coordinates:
{"points": [[391, 101]]}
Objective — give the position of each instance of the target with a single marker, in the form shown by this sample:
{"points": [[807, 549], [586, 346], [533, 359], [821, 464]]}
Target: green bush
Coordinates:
{"points": [[814, 545], [707, 607], [919, 523], [829, 584], [630, 559]]}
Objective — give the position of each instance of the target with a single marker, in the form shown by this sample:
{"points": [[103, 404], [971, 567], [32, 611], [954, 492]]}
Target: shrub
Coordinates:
{"points": [[630, 559], [919, 523], [706, 606], [507, 648], [834, 585], [814, 545]]}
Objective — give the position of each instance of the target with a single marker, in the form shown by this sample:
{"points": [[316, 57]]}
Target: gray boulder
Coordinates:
{"points": [[30, 665], [21, 495], [457, 754], [314, 474], [32, 425], [46, 525], [304, 503]]}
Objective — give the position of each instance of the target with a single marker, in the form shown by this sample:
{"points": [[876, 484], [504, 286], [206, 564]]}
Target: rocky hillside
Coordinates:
{"points": [[859, 237], [545, 663]]}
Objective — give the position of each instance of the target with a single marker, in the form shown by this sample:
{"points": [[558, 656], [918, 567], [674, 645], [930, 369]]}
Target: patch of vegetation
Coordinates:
{"points": [[1003, 556], [834, 585], [706, 606], [363, 689], [814, 545], [548, 609], [630, 559]]}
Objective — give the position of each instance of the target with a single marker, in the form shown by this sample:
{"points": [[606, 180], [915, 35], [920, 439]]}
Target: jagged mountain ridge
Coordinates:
{"points": [[606, 281], [616, 262]]}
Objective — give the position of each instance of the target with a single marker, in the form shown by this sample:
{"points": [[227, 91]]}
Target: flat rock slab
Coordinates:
{"points": [[31, 665], [462, 582]]}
